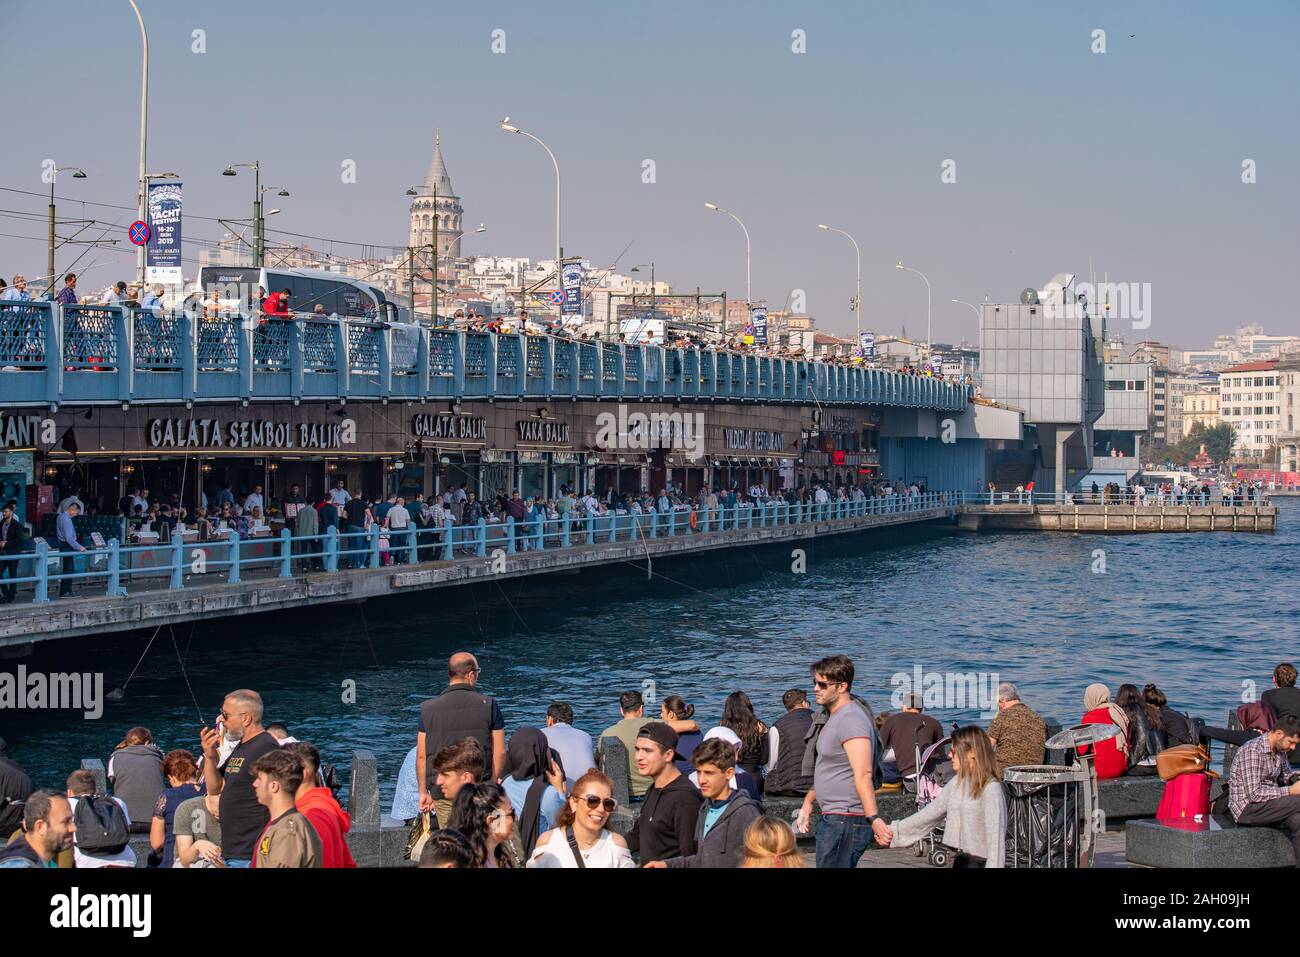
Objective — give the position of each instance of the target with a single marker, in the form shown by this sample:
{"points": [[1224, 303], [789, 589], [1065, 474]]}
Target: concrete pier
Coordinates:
{"points": [[1119, 519]]}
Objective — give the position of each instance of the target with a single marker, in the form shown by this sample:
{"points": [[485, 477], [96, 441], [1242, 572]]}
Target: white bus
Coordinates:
{"points": [[237, 290]]}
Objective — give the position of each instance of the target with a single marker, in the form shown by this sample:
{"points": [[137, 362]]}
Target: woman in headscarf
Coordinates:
{"points": [[1111, 755], [535, 785]]}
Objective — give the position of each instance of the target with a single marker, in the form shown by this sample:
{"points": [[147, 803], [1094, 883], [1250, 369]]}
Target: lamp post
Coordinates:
{"points": [[144, 128], [971, 305], [77, 173], [654, 301], [559, 250], [927, 302], [857, 297], [718, 209]]}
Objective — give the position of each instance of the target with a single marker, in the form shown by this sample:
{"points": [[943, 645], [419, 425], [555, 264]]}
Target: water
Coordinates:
{"points": [[1200, 614]]}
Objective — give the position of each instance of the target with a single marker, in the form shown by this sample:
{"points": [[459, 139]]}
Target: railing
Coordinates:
{"points": [[1125, 497], [182, 563], [52, 354]]}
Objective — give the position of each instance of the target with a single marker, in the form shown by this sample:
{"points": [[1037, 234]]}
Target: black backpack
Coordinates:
{"points": [[102, 828]]}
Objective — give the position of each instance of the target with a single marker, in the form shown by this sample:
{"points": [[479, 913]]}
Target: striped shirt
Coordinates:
{"points": [[1258, 774]]}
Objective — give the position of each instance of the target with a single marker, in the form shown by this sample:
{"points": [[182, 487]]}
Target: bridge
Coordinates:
{"points": [[53, 354]]}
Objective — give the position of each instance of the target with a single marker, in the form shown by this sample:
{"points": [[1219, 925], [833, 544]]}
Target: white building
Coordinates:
{"points": [[1250, 401]]}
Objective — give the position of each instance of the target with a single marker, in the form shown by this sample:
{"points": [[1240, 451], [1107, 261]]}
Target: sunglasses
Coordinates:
{"points": [[823, 685], [593, 802]]}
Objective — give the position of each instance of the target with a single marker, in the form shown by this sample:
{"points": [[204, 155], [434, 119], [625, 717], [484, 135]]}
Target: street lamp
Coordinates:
{"points": [[857, 298], [654, 302], [259, 220], [927, 301], [718, 209], [509, 128], [144, 128], [972, 305], [77, 173]]}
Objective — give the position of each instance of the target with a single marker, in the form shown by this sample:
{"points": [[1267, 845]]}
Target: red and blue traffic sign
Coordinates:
{"points": [[557, 297], [139, 232]]}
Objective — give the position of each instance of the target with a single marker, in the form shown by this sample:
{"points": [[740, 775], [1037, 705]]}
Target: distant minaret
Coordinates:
{"points": [[447, 208]]}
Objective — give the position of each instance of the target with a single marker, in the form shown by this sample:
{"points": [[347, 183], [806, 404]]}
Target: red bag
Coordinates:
{"points": [[1185, 797]]}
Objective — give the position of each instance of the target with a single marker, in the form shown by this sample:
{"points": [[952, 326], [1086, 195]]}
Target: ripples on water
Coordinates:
{"points": [[1199, 614]]}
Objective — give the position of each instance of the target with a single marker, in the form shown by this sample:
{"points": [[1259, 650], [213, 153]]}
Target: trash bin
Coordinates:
{"points": [[1045, 815]]}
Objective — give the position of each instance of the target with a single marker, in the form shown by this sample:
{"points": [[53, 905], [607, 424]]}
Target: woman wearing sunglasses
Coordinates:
{"points": [[581, 837], [482, 812]]}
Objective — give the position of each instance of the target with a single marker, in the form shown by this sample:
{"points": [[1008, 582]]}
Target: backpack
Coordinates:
{"points": [[102, 828]]}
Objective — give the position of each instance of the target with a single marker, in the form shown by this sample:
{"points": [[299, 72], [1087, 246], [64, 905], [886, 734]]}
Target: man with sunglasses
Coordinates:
{"points": [[242, 816], [459, 712], [842, 774]]}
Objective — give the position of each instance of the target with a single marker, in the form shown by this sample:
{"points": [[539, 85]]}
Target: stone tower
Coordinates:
{"points": [[446, 207]]}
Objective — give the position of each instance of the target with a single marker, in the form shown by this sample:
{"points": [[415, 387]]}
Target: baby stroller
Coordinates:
{"points": [[933, 771]]}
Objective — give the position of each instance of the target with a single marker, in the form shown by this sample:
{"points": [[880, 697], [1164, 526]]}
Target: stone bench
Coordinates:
{"points": [[1221, 843], [1129, 798]]}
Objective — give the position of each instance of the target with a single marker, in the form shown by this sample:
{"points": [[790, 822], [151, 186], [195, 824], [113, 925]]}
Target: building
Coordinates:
{"points": [[1201, 407], [1156, 352], [1158, 407], [436, 208], [1250, 402], [1178, 387], [1288, 439], [1117, 435]]}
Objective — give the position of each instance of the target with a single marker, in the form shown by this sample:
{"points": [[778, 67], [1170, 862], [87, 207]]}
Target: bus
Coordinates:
{"points": [[338, 294]]}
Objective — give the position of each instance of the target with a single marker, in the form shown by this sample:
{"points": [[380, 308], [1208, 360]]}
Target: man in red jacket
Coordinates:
{"points": [[318, 805], [276, 305]]}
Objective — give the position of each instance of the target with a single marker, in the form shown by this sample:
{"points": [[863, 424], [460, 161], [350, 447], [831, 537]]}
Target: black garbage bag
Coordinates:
{"points": [[1043, 819]]}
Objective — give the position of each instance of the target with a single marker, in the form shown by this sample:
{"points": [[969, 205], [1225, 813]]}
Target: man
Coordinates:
{"points": [[68, 294], [242, 815], [458, 712], [380, 509], [458, 764], [280, 732], [153, 299], [13, 542], [665, 828], [293, 502], [786, 742], [339, 493], [103, 840], [908, 729], [254, 500], [48, 829], [15, 787], [1262, 789], [116, 294], [724, 813], [842, 783], [288, 840], [354, 513], [1018, 734], [18, 291], [68, 545], [331, 822], [398, 522], [572, 744], [633, 710]]}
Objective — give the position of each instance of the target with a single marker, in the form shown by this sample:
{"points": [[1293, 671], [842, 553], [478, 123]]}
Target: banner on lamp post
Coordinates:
{"points": [[163, 254]]}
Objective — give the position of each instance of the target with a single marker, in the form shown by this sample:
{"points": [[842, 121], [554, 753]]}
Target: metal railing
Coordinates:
{"points": [[52, 353], [1191, 498], [184, 561]]}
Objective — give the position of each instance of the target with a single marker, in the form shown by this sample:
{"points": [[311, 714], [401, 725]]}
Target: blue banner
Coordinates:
{"points": [[758, 318], [163, 256], [867, 346], [571, 282]]}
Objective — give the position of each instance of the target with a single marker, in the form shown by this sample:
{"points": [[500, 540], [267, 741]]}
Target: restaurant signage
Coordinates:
{"points": [[468, 428], [546, 431], [754, 440], [215, 433]]}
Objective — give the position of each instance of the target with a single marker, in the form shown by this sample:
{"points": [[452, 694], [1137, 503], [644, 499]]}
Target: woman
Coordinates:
{"points": [[1177, 727], [678, 715], [198, 832], [482, 812], [770, 842], [972, 806], [738, 715], [535, 785], [135, 775], [182, 775], [581, 837], [1111, 755], [1146, 731]]}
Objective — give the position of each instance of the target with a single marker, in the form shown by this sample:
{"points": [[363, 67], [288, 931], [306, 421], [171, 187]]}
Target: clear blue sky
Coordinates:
{"points": [[1133, 157]]}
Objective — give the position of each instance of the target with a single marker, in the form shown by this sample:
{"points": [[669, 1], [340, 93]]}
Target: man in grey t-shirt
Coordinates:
{"points": [[842, 784]]}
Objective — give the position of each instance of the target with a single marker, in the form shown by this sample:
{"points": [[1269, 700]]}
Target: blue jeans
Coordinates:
{"points": [[239, 863], [841, 839], [359, 545]]}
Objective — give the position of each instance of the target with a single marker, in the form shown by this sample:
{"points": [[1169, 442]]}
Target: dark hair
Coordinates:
{"points": [[793, 698], [82, 782], [447, 846], [1285, 675], [738, 715], [561, 712], [721, 754], [630, 701], [37, 808], [283, 766], [1288, 724], [137, 735], [593, 776], [469, 814], [836, 668], [308, 755], [180, 764], [1130, 699], [1154, 696], [678, 706], [464, 755]]}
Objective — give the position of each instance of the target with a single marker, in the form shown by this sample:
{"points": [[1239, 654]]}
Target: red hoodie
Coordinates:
{"points": [[331, 823]]}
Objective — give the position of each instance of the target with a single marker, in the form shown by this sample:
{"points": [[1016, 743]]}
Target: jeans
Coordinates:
{"points": [[1283, 813], [358, 544], [68, 568], [8, 569], [841, 839], [238, 863]]}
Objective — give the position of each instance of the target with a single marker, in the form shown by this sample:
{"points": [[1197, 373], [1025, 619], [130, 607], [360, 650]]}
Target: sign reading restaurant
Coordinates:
{"points": [[755, 440], [462, 427], [544, 431], [246, 434]]}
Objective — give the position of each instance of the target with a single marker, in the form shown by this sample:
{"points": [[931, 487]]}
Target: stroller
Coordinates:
{"points": [[933, 771]]}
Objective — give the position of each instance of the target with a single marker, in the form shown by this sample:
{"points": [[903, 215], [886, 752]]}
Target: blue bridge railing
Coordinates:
{"points": [[51, 354]]}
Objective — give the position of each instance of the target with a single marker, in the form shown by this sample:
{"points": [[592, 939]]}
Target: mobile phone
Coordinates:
{"points": [[221, 727]]}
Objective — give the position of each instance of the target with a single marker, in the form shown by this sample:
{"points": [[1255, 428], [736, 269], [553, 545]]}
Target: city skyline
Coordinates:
{"points": [[1099, 156]]}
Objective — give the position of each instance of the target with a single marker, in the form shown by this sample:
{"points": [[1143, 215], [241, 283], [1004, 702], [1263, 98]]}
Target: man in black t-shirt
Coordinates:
{"points": [[242, 816], [459, 712], [354, 516]]}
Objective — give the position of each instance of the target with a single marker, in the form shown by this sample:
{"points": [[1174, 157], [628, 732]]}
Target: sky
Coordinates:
{"points": [[1132, 158]]}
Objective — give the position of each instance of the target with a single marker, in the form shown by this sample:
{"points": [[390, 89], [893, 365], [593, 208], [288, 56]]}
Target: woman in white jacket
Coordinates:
{"points": [[973, 804]]}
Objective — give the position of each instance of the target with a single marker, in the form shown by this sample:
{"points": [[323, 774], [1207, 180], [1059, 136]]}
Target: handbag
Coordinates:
{"points": [[1183, 759], [421, 831]]}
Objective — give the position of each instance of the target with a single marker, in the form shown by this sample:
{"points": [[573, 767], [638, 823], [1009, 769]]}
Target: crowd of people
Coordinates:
{"points": [[1226, 492]]}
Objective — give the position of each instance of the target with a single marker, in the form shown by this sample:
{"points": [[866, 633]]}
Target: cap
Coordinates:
{"points": [[660, 733], [726, 734]]}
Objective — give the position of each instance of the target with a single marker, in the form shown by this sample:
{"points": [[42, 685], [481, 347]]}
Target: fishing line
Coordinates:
{"points": [[117, 694], [197, 710]]}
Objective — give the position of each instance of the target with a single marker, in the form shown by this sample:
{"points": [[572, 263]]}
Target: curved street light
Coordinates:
{"points": [[857, 298], [77, 173], [718, 209], [928, 339], [508, 127], [972, 305]]}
